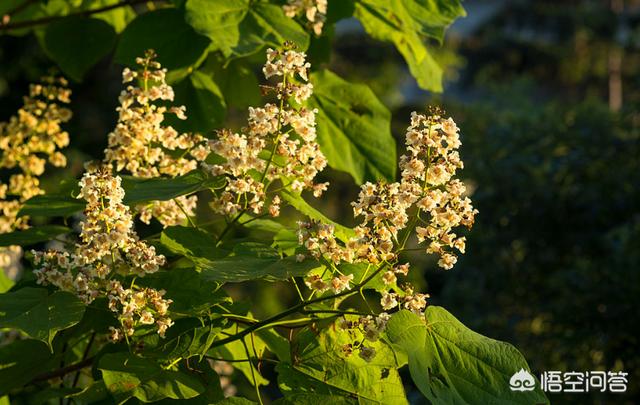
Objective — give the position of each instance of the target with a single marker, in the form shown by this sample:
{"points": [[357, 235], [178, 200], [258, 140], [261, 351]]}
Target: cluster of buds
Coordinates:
{"points": [[108, 247], [336, 284], [363, 331], [141, 145], [433, 159], [141, 306], [315, 12], [27, 141], [278, 144]]}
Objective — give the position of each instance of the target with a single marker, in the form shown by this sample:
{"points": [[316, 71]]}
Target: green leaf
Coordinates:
{"points": [[276, 343], [32, 235], [191, 294], [238, 28], [314, 399], [238, 83], [235, 401], [246, 262], [52, 205], [451, 364], [260, 263], [5, 282], [187, 338], [139, 190], [236, 351], [76, 44], [293, 383], [320, 356], [354, 128], [166, 32], [210, 379], [218, 20], [38, 314], [190, 242], [407, 24], [342, 232], [118, 17], [267, 25], [206, 107], [94, 393], [127, 375], [21, 361]]}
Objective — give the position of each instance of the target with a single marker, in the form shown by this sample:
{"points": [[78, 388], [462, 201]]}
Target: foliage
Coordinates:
{"points": [[102, 314]]}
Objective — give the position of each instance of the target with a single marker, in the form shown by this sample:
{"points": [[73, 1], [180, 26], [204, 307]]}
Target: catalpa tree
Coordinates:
{"points": [[100, 314]]}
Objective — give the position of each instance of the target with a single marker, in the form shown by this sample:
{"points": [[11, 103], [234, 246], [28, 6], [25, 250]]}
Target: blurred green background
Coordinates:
{"points": [[547, 96]]}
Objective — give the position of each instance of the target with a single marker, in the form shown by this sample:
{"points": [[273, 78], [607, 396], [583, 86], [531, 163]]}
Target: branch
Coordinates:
{"points": [[63, 371], [295, 309], [4, 26], [7, 17]]}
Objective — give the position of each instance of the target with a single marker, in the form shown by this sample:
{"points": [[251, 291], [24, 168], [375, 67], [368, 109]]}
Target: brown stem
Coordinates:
{"points": [[7, 16], [63, 371], [84, 13]]}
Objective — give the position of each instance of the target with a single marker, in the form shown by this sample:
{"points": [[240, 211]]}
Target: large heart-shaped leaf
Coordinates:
{"points": [[407, 24], [206, 107], [354, 128], [76, 44], [451, 364], [218, 20], [166, 32], [320, 357], [38, 314], [127, 375], [240, 28]]}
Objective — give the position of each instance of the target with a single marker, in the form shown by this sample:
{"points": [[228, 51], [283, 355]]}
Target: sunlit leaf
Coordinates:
{"points": [[320, 356], [240, 28], [127, 375], [38, 314], [408, 24], [451, 364], [354, 128]]}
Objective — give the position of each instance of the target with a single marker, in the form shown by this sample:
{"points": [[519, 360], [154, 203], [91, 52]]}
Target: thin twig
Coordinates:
{"points": [[7, 16], [84, 357], [84, 13], [63, 371]]}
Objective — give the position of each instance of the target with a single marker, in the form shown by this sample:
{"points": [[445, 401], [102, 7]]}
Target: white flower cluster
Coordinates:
{"points": [[27, 141], [279, 144], [108, 247], [427, 197], [433, 142], [144, 306], [315, 11], [144, 147]]}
